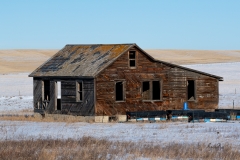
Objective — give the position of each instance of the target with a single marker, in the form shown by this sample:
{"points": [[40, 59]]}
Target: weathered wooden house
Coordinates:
{"points": [[111, 79]]}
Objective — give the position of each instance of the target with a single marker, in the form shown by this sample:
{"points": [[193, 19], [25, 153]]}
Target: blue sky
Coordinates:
{"points": [[152, 24]]}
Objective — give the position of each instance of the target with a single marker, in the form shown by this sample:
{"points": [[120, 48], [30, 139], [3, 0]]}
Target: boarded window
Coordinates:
{"points": [[79, 91], [191, 89], [119, 91], [46, 90], [151, 90], [132, 58]]}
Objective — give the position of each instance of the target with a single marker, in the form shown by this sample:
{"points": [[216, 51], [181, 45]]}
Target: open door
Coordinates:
{"points": [[58, 94]]}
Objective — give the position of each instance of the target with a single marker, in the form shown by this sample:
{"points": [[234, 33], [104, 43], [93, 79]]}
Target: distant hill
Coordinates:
{"points": [[15, 61], [195, 56]]}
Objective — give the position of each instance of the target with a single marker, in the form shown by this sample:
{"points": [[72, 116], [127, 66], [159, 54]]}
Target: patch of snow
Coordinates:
{"points": [[11, 104], [158, 133], [16, 84]]}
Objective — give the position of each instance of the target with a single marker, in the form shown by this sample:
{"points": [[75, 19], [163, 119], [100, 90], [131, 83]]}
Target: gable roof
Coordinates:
{"points": [[90, 60], [81, 60]]}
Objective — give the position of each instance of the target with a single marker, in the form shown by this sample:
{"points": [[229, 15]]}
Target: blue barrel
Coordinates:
{"points": [[185, 106]]}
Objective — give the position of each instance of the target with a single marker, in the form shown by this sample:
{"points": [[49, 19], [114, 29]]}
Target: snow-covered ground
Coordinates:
{"points": [[16, 93], [16, 84], [159, 133], [16, 89]]}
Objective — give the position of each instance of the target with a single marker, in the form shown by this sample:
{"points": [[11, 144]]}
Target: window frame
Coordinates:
{"points": [[151, 90], [79, 92], [123, 91], [132, 59]]}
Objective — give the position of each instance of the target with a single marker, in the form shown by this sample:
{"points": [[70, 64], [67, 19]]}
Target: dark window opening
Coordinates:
{"points": [[132, 54], [146, 90], [119, 91], [156, 90], [191, 89], [58, 104], [79, 90], [132, 63], [46, 90], [132, 58], [151, 90]]}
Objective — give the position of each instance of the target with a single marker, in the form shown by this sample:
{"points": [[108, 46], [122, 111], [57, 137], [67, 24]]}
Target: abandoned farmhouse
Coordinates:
{"points": [[112, 79]]}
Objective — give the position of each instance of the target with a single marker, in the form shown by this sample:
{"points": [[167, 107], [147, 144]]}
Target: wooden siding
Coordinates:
{"points": [[174, 87], [37, 92], [69, 104]]}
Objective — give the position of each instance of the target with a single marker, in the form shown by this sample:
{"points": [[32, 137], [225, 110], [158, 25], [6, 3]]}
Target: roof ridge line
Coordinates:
{"points": [[100, 44]]}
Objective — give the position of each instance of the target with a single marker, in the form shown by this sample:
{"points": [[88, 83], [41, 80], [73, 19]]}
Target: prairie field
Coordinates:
{"points": [[24, 135]]}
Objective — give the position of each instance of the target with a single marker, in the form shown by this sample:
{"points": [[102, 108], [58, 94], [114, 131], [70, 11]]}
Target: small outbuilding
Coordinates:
{"points": [[112, 79]]}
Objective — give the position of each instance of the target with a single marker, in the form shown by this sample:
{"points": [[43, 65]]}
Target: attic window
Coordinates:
{"points": [[132, 59], [191, 90]]}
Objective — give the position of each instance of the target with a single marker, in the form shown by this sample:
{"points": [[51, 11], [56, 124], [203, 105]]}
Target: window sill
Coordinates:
{"points": [[191, 100], [152, 100], [133, 67], [119, 101]]}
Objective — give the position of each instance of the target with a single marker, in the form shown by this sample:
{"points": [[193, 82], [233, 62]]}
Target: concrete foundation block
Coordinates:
{"points": [[122, 118], [102, 119]]}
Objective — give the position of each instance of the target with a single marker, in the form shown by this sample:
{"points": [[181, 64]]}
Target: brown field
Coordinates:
{"points": [[91, 148], [195, 56], [15, 61]]}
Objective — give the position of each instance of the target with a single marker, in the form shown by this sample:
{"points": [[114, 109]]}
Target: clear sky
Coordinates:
{"points": [[152, 24]]}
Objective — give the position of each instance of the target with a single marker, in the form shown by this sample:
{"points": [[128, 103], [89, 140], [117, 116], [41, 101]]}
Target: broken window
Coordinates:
{"points": [[46, 90], [79, 91], [132, 58], [146, 90], [151, 90], [119, 91], [191, 89]]}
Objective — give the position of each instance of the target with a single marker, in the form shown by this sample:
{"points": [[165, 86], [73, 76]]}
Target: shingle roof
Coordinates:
{"points": [[89, 60], [81, 60]]}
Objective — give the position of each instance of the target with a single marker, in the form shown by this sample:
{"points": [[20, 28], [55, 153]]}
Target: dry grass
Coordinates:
{"points": [[91, 148], [195, 56], [49, 118]]}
